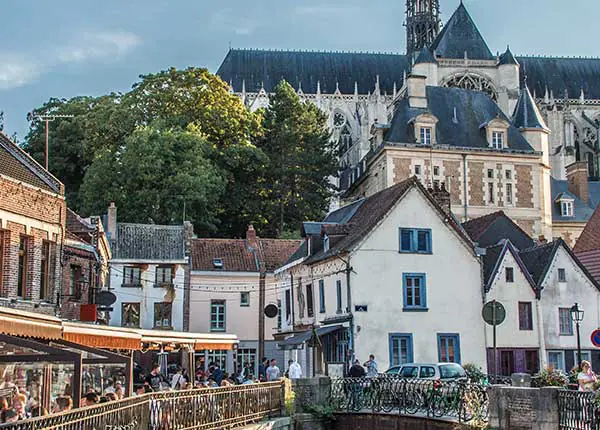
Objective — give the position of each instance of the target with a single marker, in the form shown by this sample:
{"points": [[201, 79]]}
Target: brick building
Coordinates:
{"points": [[32, 230]]}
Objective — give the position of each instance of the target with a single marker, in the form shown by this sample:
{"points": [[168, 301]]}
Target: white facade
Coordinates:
{"points": [[148, 293]]}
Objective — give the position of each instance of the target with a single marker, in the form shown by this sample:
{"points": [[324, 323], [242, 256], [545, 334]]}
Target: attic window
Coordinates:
{"points": [[426, 135], [566, 208], [217, 263], [326, 243], [497, 139]]}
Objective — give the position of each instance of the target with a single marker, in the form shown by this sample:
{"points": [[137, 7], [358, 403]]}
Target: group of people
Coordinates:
{"points": [[367, 369]]}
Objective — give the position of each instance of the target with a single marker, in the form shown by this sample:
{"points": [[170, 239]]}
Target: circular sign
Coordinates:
{"points": [[105, 298], [271, 311], [596, 338], [493, 313]]}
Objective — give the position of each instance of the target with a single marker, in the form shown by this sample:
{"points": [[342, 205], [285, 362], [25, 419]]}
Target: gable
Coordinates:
{"points": [[520, 288], [576, 274]]}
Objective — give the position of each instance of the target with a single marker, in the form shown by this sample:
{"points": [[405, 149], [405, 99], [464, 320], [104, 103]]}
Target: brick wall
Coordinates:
{"points": [[475, 174], [524, 186], [401, 169], [69, 308], [24, 200], [452, 170]]}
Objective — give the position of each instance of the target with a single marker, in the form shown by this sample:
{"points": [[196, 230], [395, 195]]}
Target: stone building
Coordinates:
{"points": [[32, 231], [542, 115]]}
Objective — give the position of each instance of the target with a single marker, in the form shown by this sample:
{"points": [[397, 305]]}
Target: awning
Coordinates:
{"points": [[300, 338], [16, 322], [101, 336], [199, 341]]}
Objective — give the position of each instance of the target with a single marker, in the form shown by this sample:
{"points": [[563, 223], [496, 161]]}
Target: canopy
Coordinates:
{"points": [[299, 338], [16, 322], [197, 341], [101, 336]]}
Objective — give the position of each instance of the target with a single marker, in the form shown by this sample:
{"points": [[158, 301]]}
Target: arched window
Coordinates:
{"points": [[345, 140], [471, 81]]}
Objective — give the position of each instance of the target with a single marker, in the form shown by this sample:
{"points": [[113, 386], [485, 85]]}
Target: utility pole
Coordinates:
{"points": [[47, 119]]}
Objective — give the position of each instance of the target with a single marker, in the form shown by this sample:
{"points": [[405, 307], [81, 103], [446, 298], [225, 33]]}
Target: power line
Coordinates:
{"points": [[47, 118]]}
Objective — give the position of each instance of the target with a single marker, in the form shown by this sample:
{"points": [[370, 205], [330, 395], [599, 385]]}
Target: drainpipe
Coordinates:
{"points": [[466, 215], [349, 300], [292, 300], [540, 327]]}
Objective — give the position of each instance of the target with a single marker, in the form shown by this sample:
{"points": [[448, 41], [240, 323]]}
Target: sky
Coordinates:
{"points": [[66, 48]]}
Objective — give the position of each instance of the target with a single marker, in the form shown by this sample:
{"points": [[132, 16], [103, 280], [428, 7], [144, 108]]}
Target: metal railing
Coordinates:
{"points": [[462, 401], [209, 408], [578, 410]]}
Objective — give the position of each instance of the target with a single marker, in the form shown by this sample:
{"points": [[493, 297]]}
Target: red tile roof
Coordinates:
{"points": [[276, 251], [590, 237], [591, 261]]}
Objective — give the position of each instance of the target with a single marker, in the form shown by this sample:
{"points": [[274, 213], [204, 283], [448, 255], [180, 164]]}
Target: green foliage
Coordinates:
{"points": [[325, 412], [474, 373], [552, 378]]}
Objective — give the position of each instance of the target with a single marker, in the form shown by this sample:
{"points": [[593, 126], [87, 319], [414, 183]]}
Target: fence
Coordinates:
{"points": [[578, 410], [466, 402], [212, 408]]}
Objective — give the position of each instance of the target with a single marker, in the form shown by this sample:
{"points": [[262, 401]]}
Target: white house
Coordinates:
{"points": [[147, 274], [392, 275]]}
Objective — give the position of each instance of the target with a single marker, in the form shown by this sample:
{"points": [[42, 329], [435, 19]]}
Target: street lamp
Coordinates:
{"points": [[577, 315]]}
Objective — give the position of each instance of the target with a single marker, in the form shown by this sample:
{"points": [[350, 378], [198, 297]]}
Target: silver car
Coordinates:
{"points": [[440, 371]]}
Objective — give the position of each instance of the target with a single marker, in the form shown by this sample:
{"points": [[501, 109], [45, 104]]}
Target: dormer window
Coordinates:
{"points": [[497, 139], [496, 131], [566, 208], [326, 243], [425, 128], [426, 135]]}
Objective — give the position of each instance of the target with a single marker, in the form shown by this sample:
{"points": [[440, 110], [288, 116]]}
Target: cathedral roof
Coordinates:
{"points": [[425, 57], [472, 108], [460, 35], [527, 114], [508, 58], [258, 68]]}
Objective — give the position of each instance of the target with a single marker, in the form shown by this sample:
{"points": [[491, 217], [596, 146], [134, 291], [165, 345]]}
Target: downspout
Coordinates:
{"points": [[465, 198], [292, 300], [540, 326]]}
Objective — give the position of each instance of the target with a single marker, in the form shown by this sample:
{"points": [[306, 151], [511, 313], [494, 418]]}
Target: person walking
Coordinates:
{"points": [[155, 379], [178, 380], [294, 370], [273, 373], [586, 378], [262, 369], [371, 366]]}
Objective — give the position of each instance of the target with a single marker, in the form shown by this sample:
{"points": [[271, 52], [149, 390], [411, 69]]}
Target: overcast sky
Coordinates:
{"points": [[64, 48]]}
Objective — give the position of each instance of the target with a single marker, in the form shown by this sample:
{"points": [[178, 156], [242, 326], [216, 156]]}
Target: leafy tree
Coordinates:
{"points": [[301, 161], [154, 175]]}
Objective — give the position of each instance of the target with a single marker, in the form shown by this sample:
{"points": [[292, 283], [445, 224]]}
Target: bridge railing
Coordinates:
{"points": [[578, 410], [463, 401], [209, 408]]}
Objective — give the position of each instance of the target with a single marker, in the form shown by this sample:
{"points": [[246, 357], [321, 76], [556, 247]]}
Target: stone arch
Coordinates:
{"points": [[471, 81]]}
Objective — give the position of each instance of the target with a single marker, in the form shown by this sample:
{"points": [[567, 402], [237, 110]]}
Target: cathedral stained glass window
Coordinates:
{"points": [[471, 81]]}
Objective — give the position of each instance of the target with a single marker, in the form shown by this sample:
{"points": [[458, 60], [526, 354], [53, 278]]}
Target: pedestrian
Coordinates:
{"points": [[217, 374], [262, 369], [63, 403], [155, 379], [294, 370], [110, 387], [371, 366], [19, 402], [356, 371], [586, 378], [273, 373], [91, 399], [178, 380]]}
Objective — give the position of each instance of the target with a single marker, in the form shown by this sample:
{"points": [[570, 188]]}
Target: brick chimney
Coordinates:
{"points": [[251, 237], [439, 193], [111, 228], [577, 178]]}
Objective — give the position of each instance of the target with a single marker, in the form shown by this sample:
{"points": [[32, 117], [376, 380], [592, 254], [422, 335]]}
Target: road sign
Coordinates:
{"points": [[105, 298], [271, 311], [596, 338], [493, 313]]}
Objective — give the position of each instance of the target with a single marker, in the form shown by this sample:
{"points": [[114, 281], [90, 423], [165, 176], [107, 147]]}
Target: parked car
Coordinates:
{"points": [[440, 371]]}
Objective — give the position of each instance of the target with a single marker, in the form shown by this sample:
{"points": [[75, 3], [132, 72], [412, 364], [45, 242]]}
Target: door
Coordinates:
{"points": [[507, 363]]}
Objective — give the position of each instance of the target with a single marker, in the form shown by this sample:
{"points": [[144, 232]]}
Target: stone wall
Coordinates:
{"points": [[513, 408], [389, 422]]}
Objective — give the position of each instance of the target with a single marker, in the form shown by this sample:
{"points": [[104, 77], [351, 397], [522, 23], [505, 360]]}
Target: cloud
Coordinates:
{"points": [[325, 9], [17, 70], [98, 45]]}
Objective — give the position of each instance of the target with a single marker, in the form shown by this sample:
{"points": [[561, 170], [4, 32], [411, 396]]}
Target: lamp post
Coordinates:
{"points": [[577, 315]]}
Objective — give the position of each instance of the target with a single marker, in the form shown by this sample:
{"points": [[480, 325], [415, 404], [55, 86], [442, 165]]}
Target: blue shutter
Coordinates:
{"points": [[322, 296]]}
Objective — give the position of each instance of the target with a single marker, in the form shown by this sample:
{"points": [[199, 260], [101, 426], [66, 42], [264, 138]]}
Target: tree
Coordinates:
{"points": [[301, 161], [155, 176]]}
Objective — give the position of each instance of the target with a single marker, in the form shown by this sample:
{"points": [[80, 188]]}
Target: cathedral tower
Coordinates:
{"points": [[422, 24]]}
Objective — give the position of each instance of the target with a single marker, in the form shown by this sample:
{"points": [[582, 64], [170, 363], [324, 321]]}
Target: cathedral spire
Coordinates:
{"points": [[422, 24]]}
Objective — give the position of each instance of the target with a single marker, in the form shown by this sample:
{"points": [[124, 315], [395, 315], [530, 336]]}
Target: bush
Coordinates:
{"points": [[552, 378], [474, 373]]}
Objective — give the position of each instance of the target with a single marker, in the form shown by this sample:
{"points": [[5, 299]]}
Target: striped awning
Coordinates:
{"points": [[100, 336], [16, 322]]}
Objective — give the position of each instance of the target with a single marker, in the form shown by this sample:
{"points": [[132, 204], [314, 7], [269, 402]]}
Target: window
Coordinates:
{"points": [[585, 355], [414, 291], [44, 270], [566, 208], [508, 174], [449, 348], [217, 263], [244, 298], [490, 192], [427, 372], [310, 312], [532, 362], [278, 314], [497, 139], [525, 316], [452, 371], [75, 282], [164, 276], [509, 194], [23, 263], [322, 296], [409, 372], [436, 171], [217, 315], [556, 360], [562, 275], [401, 349], [507, 363], [565, 323], [219, 357], [162, 315], [509, 274], [415, 240], [426, 135], [132, 277], [246, 356], [338, 286], [130, 315], [288, 306], [490, 173], [417, 169], [326, 243]]}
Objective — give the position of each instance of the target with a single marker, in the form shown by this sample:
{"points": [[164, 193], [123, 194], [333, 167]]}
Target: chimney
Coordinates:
{"points": [[111, 228], [416, 91], [441, 196], [251, 237], [577, 178]]}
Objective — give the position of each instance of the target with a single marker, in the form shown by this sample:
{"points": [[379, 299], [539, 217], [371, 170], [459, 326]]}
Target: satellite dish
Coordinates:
{"points": [[271, 311], [105, 298]]}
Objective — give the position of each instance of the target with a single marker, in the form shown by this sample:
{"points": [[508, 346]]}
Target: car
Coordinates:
{"points": [[440, 371]]}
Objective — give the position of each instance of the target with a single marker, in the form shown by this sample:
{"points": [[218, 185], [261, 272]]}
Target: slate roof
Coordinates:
{"points": [[538, 259], [238, 256], [473, 108], [492, 229], [582, 211], [76, 224], [527, 114], [17, 164], [460, 35], [493, 258], [425, 57], [508, 58], [149, 242], [257, 68], [590, 237]]}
